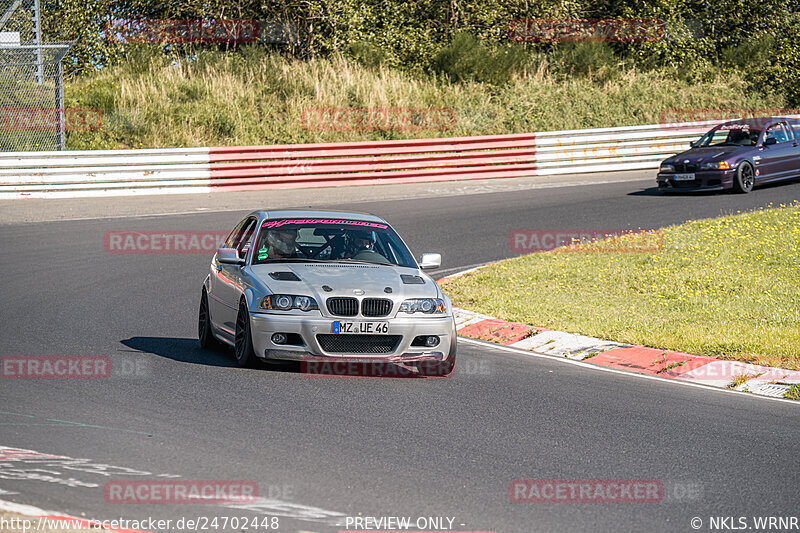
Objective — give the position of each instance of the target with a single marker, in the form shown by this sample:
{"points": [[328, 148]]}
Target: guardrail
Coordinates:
{"points": [[195, 170]]}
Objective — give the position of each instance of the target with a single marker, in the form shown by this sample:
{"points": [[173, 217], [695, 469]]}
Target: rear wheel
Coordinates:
{"points": [[243, 342], [204, 333], [744, 178]]}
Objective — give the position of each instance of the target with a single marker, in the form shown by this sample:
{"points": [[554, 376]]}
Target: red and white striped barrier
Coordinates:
{"points": [[203, 170]]}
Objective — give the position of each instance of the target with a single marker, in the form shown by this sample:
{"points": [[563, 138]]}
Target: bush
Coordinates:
{"points": [[594, 60], [468, 58], [366, 53], [753, 53]]}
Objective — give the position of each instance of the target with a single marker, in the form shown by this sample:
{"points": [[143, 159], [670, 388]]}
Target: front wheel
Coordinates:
{"points": [[744, 178], [450, 364], [204, 333], [446, 368], [243, 342]]}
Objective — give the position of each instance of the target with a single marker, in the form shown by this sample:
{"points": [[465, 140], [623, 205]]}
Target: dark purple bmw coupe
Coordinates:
{"points": [[736, 155]]}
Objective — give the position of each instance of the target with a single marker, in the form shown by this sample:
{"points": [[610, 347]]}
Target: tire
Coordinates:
{"points": [[204, 332], [443, 369], [243, 341], [744, 178], [450, 364]]}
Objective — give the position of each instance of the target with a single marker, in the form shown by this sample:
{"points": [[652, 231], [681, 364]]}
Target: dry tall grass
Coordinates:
{"points": [[258, 98]]}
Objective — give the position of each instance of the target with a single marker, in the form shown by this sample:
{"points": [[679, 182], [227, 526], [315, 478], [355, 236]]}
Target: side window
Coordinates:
{"points": [[245, 237], [778, 132], [240, 236], [237, 231]]}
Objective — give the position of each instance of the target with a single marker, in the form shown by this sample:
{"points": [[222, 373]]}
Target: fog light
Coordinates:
{"points": [[431, 341], [279, 338]]}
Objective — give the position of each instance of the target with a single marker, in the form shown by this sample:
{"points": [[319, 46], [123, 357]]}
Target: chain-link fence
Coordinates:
{"points": [[31, 82], [18, 21]]}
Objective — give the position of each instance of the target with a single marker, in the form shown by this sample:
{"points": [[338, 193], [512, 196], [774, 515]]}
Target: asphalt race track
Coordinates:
{"points": [[324, 449]]}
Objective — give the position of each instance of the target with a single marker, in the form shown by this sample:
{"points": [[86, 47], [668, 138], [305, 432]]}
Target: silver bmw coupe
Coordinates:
{"points": [[293, 285]]}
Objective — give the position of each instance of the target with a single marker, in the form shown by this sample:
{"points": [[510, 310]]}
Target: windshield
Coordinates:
{"points": [[730, 135], [330, 240]]}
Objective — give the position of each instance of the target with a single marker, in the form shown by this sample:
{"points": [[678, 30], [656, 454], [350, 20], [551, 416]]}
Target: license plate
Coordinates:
{"points": [[683, 177], [360, 328]]}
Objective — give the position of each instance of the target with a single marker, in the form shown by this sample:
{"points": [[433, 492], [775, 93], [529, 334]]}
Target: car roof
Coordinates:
{"points": [[760, 122], [305, 213]]}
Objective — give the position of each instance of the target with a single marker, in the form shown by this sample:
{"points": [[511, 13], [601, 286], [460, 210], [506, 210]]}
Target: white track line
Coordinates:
{"points": [[622, 372], [26, 510]]}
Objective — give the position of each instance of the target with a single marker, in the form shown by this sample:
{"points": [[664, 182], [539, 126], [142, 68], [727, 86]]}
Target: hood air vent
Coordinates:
{"points": [[284, 276]]}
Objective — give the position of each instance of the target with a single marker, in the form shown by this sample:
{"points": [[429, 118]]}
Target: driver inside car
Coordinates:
{"points": [[360, 241], [280, 243]]}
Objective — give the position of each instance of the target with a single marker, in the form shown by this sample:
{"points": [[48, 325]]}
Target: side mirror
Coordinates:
{"points": [[770, 140], [229, 256], [429, 261], [693, 143]]}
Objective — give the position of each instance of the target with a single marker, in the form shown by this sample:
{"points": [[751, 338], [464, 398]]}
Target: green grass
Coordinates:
{"points": [[254, 97], [725, 287], [794, 392]]}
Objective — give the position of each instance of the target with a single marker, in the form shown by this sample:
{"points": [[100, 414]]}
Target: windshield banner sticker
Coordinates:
{"points": [[281, 222]]}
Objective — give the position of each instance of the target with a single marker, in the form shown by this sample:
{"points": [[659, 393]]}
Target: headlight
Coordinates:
{"points": [[429, 306], [717, 165], [667, 168], [287, 302]]}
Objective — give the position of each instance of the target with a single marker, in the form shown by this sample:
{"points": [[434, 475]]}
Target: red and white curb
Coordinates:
{"points": [[758, 379], [42, 520]]}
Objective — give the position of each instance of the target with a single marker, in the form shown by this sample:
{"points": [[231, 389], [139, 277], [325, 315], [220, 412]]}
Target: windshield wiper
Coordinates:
{"points": [[362, 261]]}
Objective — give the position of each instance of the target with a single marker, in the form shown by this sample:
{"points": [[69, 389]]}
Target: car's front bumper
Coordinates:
{"points": [[707, 180], [263, 326]]}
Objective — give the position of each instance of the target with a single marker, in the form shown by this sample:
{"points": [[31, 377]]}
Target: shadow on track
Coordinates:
{"points": [[653, 191], [181, 349], [189, 351]]}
